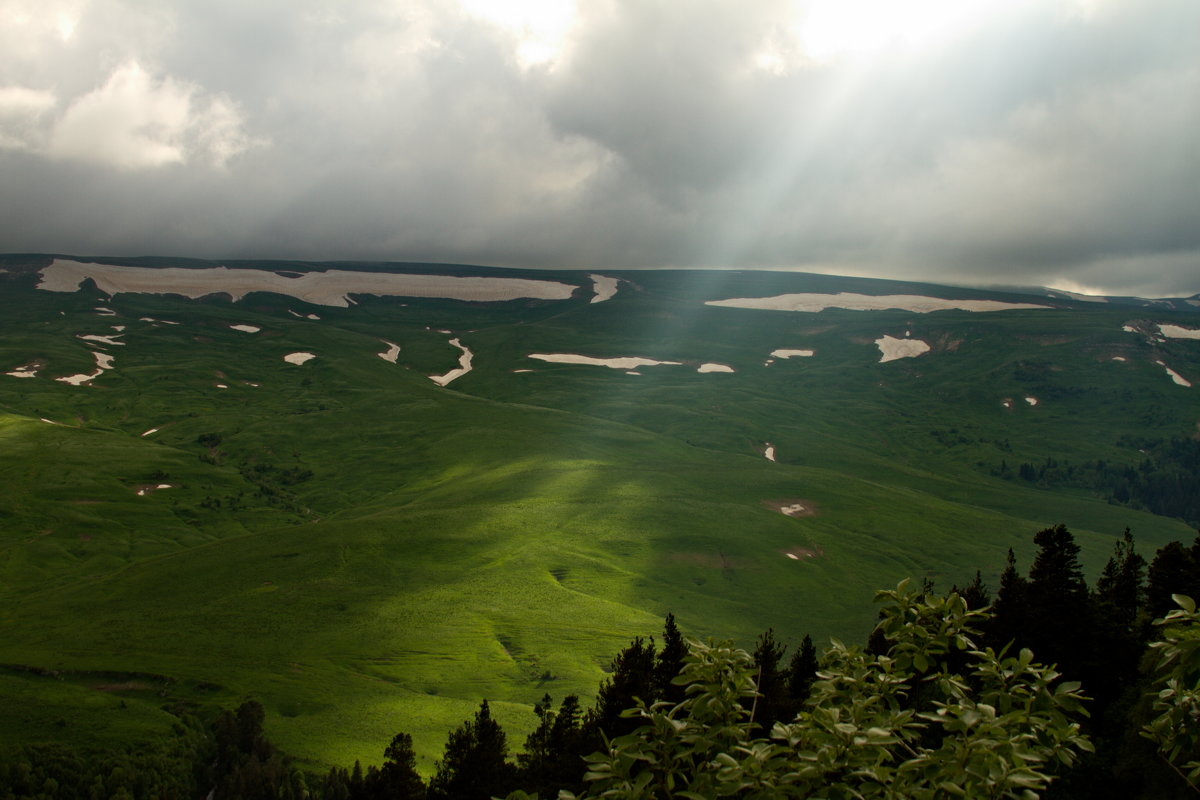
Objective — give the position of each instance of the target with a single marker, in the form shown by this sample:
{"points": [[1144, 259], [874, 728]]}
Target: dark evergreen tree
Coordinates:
{"points": [[554, 752], [397, 779], [773, 701], [1059, 627], [1175, 570], [669, 662], [633, 677], [1121, 587], [336, 785], [247, 766], [976, 593], [1011, 609], [473, 765], [802, 672]]}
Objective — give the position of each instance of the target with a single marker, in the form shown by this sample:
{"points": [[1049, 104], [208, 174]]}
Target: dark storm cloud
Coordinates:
{"points": [[1054, 143]]}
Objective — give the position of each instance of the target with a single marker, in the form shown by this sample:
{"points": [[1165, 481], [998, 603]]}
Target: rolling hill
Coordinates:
{"points": [[372, 494]]}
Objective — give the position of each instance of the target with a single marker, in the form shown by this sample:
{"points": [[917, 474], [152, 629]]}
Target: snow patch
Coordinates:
{"points": [[152, 430], [392, 353], [1087, 298], [246, 328], [328, 288], [1033, 401], [865, 302], [1118, 358], [893, 348], [464, 365], [1175, 376], [94, 337], [103, 362], [29, 370], [604, 287], [711, 367], [792, 353], [299, 358], [145, 490], [769, 452], [1178, 332], [622, 362]]}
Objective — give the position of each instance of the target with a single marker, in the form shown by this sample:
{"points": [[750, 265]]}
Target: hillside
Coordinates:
{"points": [[371, 494]]}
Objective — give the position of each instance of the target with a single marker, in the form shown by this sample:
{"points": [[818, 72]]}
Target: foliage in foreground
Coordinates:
{"points": [[935, 716], [1176, 726]]}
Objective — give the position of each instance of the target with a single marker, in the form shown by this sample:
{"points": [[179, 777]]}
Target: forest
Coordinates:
{"points": [[951, 696], [1165, 481]]}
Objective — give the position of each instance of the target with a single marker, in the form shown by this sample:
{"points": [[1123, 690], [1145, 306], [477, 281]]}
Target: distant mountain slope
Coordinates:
{"points": [[276, 498]]}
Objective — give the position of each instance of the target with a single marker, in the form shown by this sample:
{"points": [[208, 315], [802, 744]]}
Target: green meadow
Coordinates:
{"points": [[367, 552]]}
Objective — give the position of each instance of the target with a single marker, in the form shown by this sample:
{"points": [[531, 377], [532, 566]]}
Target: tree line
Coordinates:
{"points": [[1165, 481]]}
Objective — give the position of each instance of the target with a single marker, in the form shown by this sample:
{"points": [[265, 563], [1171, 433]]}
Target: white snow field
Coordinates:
{"points": [[328, 288], [866, 302]]}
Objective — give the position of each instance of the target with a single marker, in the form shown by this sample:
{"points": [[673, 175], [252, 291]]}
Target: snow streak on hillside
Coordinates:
{"points": [[866, 302]]}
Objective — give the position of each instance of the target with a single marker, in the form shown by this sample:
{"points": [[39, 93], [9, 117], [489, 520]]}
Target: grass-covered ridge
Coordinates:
{"points": [[368, 552]]}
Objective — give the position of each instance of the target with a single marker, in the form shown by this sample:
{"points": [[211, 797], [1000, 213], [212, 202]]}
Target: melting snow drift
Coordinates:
{"points": [[792, 353], [1175, 376], [713, 367], [866, 302], [299, 358], [625, 362], [329, 288], [25, 371], [604, 287], [1178, 332], [464, 365], [392, 353], [103, 362], [893, 348]]}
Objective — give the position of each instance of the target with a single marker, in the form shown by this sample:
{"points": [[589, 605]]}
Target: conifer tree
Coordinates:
{"points": [[1011, 608], [554, 751], [397, 779], [773, 700], [473, 765], [632, 678], [669, 662], [1059, 626], [802, 672], [1175, 570]]}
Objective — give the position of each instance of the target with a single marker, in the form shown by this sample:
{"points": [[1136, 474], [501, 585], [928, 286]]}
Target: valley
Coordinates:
{"points": [[370, 495]]}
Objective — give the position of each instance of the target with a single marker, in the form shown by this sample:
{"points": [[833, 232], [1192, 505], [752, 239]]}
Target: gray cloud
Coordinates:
{"points": [[1055, 143]]}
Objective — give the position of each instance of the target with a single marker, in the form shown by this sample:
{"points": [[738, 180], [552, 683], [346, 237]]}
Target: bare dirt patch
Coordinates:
{"points": [[127, 686]]}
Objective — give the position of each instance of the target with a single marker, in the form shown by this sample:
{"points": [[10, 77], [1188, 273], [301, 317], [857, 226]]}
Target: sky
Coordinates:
{"points": [[991, 142]]}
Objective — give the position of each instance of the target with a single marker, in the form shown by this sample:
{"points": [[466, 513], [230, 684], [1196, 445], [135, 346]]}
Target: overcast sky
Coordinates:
{"points": [[1050, 142]]}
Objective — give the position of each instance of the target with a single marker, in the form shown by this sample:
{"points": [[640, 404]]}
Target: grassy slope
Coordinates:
{"points": [[505, 537]]}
